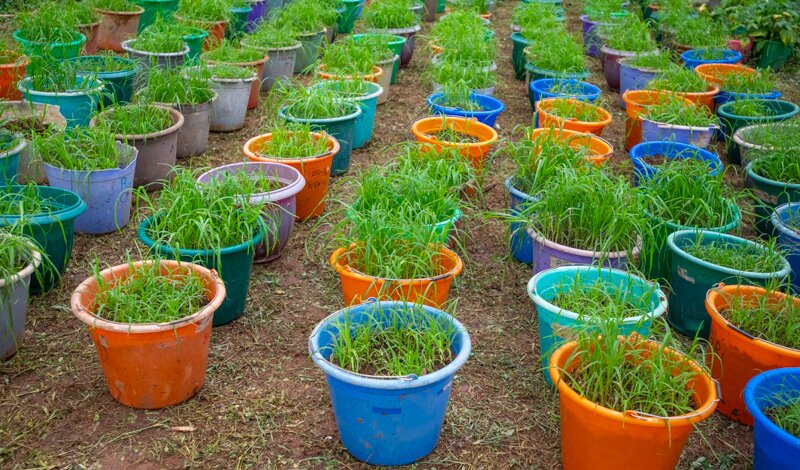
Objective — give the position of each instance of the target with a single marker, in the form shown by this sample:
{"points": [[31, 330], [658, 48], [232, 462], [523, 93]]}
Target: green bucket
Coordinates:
{"points": [[118, 84], [195, 42], [53, 230], [730, 123], [347, 19], [235, 28], [655, 257], [395, 45], [154, 8], [59, 50], [769, 194], [518, 58], [772, 54], [233, 265], [691, 278]]}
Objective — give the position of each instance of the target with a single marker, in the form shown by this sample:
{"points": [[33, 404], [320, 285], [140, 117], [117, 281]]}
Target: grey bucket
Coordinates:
{"points": [[30, 167], [14, 308], [229, 111], [279, 67], [107, 193], [193, 135], [308, 53], [146, 60]]}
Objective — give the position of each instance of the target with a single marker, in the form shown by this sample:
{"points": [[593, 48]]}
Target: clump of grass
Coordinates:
{"points": [[777, 165], [561, 53], [102, 62], [207, 11], [630, 35], [121, 6], [269, 36], [148, 295], [447, 168], [304, 16], [748, 82], [82, 13], [786, 414], [659, 61], [772, 318], [231, 53], [8, 140], [135, 119], [313, 102], [47, 24], [161, 37], [679, 79], [176, 87], [699, 32], [388, 14], [601, 300], [458, 95], [55, 76], [348, 57], [230, 72], [750, 108], [677, 112], [570, 109], [531, 14], [25, 202], [452, 71], [397, 341], [775, 135], [293, 140], [740, 257], [620, 374], [16, 252], [79, 149]]}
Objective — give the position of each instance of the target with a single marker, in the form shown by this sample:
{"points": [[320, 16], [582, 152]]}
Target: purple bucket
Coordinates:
{"points": [[283, 208], [107, 193], [259, 9], [633, 78], [548, 254], [611, 67], [590, 40]]}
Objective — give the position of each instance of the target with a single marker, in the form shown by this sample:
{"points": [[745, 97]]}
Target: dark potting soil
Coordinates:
{"points": [[656, 160], [27, 125], [450, 135]]}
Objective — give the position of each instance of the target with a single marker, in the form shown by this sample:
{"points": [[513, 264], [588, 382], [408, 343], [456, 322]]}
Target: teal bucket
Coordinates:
{"points": [[395, 45], [557, 327], [235, 28], [365, 122], [53, 231], [118, 84], [730, 123], [77, 107], [768, 195], [59, 50], [691, 278], [233, 264], [9, 163], [154, 8]]}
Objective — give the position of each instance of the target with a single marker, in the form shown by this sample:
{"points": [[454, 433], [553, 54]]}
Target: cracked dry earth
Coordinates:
{"points": [[264, 403]]}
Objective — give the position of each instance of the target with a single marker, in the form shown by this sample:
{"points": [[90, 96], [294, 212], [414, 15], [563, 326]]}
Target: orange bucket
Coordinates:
{"points": [[423, 130], [549, 120], [598, 438], [715, 73], [151, 365], [371, 77], [738, 357], [255, 89], [315, 169], [10, 74], [357, 287], [600, 150], [635, 102]]}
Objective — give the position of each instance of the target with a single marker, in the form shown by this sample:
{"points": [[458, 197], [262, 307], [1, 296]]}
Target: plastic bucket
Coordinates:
{"points": [[147, 60], [598, 150], [590, 40], [151, 365], [748, 142], [229, 111], [780, 110], [280, 205], [700, 137], [395, 45], [595, 437], [727, 96], [341, 128], [316, 170], [10, 75], [14, 307], [611, 67], [542, 89], [518, 58], [486, 136], [768, 195], [30, 165], [490, 108], [53, 231], [670, 150], [738, 356], [306, 56], [279, 67], [788, 239], [634, 78], [546, 119], [358, 287], [258, 9], [117, 26], [635, 103], [548, 254], [77, 107], [154, 8], [691, 278], [363, 126], [557, 326], [58, 50], [520, 242], [255, 87], [773, 447], [393, 420], [407, 49], [9, 162], [193, 135], [346, 21], [238, 22], [107, 193], [693, 58], [118, 84], [195, 43], [233, 263]]}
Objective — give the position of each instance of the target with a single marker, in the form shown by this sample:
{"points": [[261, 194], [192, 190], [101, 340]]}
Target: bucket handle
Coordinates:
{"points": [[647, 416]]}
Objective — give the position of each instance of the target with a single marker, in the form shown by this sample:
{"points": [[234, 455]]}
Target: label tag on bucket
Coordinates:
{"points": [[684, 274], [564, 332]]}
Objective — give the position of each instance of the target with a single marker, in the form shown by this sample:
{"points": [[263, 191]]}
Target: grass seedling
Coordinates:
{"points": [[678, 78], [480, 7], [81, 13], [135, 119], [561, 53], [119, 6], [175, 87], [747, 82], [23, 203], [447, 168], [396, 341], [56, 76], [700, 32], [16, 252], [348, 57], [770, 318], [313, 102], [677, 112], [775, 135], [230, 72], [268, 36], [103, 62], [149, 295], [160, 37], [572, 110], [457, 28], [293, 140], [204, 11], [754, 259], [777, 164], [450, 71], [660, 61], [629, 35], [457, 95], [750, 108], [47, 24], [304, 16], [388, 14], [230, 53], [80, 149], [621, 374], [785, 413], [531, 14]]}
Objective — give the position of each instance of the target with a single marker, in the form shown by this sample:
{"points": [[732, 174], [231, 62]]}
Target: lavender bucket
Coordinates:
{"points": [[548, 254]]}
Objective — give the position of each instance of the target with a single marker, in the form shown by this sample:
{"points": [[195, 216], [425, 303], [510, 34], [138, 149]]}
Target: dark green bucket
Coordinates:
{"points": [[518, 58], [195, 42], [655, 257], [233, 265], [347, 19], [730, 123], [153, 8], [769, 194], [53, 231], [118, 84], [691, 278]]}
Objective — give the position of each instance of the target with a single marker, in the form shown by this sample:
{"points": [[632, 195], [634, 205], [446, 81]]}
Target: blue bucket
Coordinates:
{"points": [[557, 326], [520, 243], [342, 128], [490, 108], [788, 239], [725, 96], [107, 193], [9, 162], [670, 150], [387, 421], [691, 58], [774, 448], [541, 89], [633, 78], [77, 107]]}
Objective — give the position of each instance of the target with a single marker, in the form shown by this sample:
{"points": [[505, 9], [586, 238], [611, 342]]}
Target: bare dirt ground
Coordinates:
{"points": [[264, 404]]}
